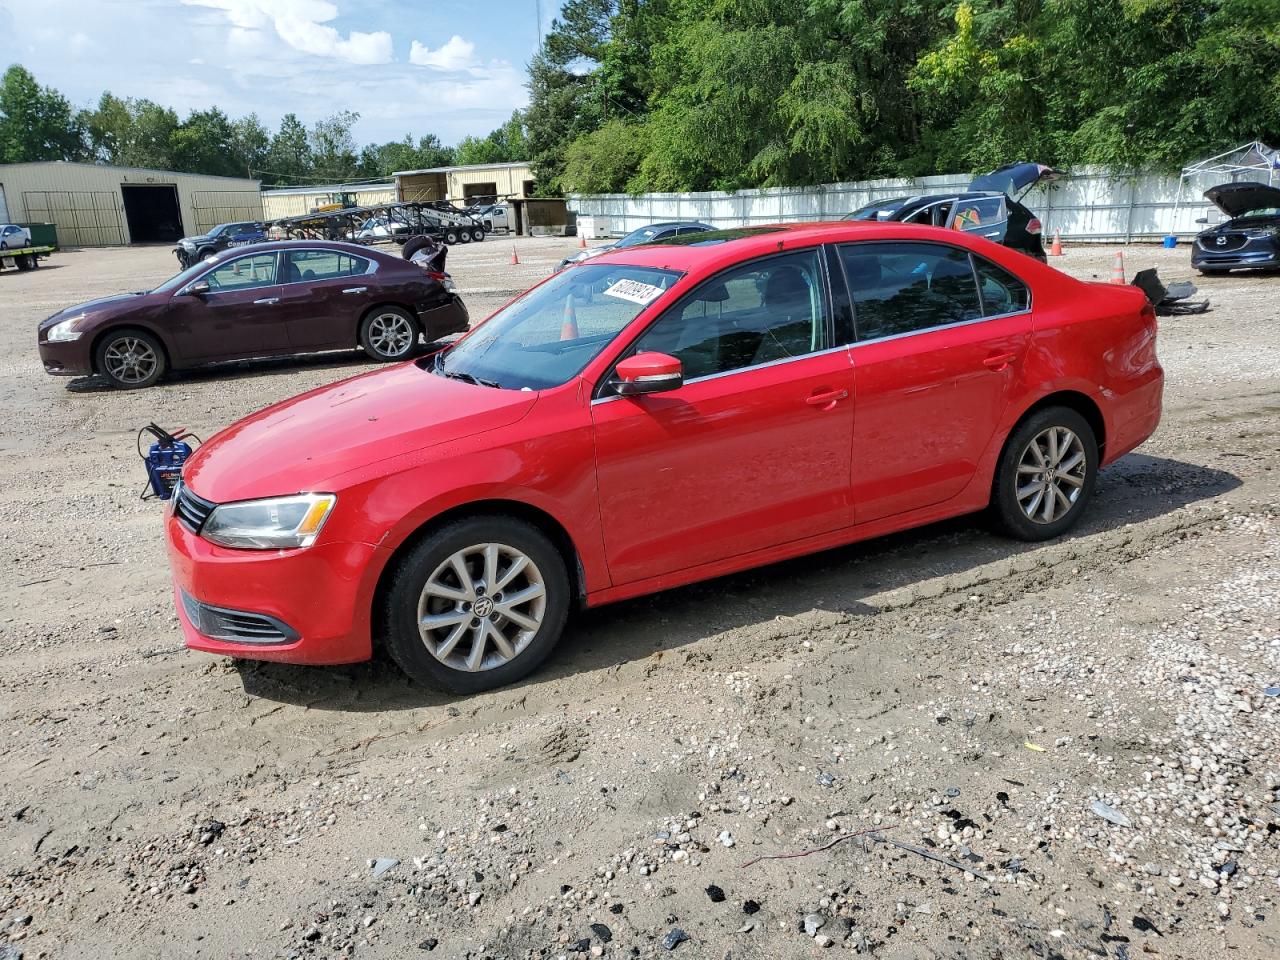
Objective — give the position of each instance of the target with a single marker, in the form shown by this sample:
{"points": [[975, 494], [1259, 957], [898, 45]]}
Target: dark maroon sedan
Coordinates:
{"points": [[274, 299]]}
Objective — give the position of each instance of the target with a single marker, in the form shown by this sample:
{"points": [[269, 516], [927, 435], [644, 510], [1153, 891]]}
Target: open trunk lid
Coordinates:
{"points": [[1014, 179]]}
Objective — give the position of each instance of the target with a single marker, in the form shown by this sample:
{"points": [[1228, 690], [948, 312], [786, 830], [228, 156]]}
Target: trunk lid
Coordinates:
{"points": [[1015, 179]]}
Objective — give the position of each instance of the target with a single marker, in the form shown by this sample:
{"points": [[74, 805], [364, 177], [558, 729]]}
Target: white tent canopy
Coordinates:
{"points": [[1249, 161]]}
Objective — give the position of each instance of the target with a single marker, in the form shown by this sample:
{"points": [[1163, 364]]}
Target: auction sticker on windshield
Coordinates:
{"points": [[635, 291]]}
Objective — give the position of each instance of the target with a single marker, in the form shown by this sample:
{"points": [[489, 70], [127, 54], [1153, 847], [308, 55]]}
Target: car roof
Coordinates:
{"points": [[270, 245], [726, 247], [672, 223]]}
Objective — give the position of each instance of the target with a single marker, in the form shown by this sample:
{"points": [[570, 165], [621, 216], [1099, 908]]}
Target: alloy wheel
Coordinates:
{"points": [[130, 360], [390, 334], [1051, 474], [482, 607]]}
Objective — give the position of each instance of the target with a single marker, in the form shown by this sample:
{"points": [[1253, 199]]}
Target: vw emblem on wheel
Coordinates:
{"points": [[483, 607]]}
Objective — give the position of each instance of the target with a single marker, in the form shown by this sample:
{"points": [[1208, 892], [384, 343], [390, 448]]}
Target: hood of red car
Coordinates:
{"points": [[302, 444]]}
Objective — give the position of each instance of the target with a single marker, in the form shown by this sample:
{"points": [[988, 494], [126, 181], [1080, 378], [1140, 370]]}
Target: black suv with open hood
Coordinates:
{"points": [[990, 208], [1250, 238]]}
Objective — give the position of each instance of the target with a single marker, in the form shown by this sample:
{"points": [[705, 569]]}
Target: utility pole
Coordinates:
{"points": [[537, 8]]}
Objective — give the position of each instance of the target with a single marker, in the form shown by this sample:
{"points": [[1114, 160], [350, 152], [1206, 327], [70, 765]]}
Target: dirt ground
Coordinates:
{"points": [[993, 707]]}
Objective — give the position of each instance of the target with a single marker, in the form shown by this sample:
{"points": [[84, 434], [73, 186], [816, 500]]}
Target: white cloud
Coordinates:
{"points": [[302, 25], [456, 54]]}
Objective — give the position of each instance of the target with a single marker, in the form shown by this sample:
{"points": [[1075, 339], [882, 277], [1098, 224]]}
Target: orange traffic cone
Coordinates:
{"points": [[582, 242], [1056, 249], [1117, 272], [514, 258], [569, 323]]}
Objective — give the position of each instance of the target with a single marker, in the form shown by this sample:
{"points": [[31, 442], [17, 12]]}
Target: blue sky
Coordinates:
{"points": [[448, 67]]}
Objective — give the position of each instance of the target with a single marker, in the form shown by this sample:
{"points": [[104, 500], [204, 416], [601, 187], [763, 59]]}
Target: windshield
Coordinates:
{"points": [[878, 211], [178, 279], [551, 333]]}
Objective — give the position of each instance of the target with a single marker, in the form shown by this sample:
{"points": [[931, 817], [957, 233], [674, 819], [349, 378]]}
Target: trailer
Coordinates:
{"points": [[24, 258], [437, 219]]}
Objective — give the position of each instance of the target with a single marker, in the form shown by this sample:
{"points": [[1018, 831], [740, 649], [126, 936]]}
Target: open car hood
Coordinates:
{"points": [[1014, 179], [1236, 199]]}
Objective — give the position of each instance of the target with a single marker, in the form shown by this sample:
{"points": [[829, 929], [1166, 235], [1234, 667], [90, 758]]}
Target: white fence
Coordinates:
{"points": [[1090, 204]]}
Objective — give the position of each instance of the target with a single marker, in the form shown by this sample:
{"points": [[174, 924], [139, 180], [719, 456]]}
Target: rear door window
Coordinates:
{"points": [[1002, 292], [901, 288], [978, 213], [305, 265]]}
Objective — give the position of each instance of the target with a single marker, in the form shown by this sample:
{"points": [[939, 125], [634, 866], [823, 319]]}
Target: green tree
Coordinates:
{"points": [[507, 144], [36, 123], [333, 148], [205, 143], [250, 144], [289, 160]]}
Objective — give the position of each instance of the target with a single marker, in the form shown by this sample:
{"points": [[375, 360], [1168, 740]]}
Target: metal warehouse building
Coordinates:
{"points": [[100, 206], [477, 181]]}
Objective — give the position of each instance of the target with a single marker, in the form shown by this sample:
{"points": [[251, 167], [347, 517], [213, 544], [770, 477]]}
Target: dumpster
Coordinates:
{"points": [[43, 234]]}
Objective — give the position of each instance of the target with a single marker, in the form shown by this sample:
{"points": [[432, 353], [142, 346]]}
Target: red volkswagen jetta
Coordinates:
{"points": [[652, 417]]}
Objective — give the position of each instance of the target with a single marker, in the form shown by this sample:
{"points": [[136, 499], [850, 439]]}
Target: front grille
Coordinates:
{"points": [[236, 626], [191, 511], [1234, 242]]}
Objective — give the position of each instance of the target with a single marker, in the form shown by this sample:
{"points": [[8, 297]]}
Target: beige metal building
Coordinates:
{"points": [[296, 201], [462, 185], [95, 205]]}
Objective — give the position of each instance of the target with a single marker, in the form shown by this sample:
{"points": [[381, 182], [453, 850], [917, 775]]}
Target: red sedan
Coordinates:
{"points": [[655, 416]]}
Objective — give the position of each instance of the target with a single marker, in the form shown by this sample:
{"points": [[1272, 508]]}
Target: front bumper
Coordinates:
{"points": [[65, 358], [1257, 253], [321, 598], [443, 319]]}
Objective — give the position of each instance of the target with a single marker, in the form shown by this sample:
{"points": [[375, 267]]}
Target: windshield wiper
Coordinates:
{"points": [[467, 378]]}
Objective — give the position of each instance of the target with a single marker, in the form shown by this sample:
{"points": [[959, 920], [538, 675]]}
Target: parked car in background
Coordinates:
{"points": [[664, 413], [496, 217], [1250, 238], [279, 298], [381, 230], [14, 237], [653, 233], [225, 236], [990, 208]]}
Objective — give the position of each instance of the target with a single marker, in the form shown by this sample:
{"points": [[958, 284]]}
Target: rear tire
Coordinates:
{"points": [[448, 631], [1046, 474], [477, 235], [130, 359], [388, 334], [450, 237], [25, 261]]}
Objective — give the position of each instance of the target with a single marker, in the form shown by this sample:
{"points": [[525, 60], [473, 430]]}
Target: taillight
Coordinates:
{"points": [[1034, 226]]}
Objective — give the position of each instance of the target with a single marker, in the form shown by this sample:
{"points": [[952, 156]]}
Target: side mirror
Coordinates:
{"points": [[199, 289], [647, 373], [1202, 219]]}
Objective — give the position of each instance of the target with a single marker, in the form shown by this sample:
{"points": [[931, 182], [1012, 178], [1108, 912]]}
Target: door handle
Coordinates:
{"points": [[355, 290], [267, 300], [826, 398], [999, 361]]}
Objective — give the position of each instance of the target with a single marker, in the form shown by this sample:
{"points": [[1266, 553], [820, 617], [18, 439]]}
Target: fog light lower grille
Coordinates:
{"points": [[236, 626]]}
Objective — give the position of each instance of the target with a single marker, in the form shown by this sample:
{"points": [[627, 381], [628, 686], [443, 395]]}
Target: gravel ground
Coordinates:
{"points": [[985, 749]]}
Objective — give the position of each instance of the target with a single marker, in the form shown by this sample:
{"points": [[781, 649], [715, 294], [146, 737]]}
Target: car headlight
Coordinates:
{"points": [[1260, 232], [271, 524], [65, 330]]}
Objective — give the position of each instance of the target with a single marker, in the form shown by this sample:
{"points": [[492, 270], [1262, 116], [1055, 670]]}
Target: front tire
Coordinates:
{"points": [[450, 237], [1046, 474], [388, 334], [477, 235], [479, 604], [130, 359]]}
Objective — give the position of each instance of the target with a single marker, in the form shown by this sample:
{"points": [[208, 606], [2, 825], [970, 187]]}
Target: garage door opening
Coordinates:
{"points": [[152, 213]]}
